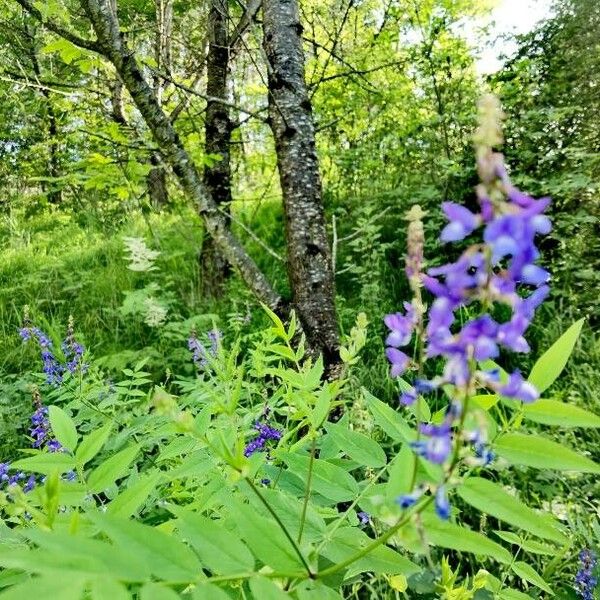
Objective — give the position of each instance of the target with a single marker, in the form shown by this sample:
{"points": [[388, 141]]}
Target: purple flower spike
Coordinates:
{"points": [[462, 222], [585, 581], [519, 389]]}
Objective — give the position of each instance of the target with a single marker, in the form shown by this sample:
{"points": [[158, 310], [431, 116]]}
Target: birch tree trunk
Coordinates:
{"points": [[291, 120], [156, 179], [111, 44], [217, 177]]}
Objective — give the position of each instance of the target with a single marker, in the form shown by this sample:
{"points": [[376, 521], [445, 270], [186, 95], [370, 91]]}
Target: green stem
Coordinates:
{"points": [[419, 507], [313, 449], [344, 515], [249, 575], [281, 526]]}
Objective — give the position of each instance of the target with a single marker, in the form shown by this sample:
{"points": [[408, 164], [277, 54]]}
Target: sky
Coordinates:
{"points": [[510, 16]]}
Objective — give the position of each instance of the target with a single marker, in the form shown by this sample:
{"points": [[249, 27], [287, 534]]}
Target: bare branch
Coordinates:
{"points": [[190, 90], [244, 22]]}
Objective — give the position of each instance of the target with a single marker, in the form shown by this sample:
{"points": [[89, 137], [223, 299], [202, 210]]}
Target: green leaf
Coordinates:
{"points": [[561, 414], [112, 469], [540, 453], [527, 545], [357, 446], [448, 535], [61, 554], [550, 365], [129, 501], [329, 480], [529, 574], [63, 427], [46, 463], [208, 591], [490, 498], [400, 473], [279, 328], [346, 541], [265, 589], [166, 557], [219, 549], [155, 591], [510, 594], [55, 587], [266, 540], [106, 588], [485, 401], [321, 409], [92, 443], [388, 419], [315, 590], [289, 509]]}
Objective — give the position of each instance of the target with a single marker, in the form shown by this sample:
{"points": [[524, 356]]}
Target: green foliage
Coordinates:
{"points": [[167, 504]]}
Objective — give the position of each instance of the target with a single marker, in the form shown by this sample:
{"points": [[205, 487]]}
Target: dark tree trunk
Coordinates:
{"points": [[51, 189], [217, 177], [112, 45], [290, 114], [156, 181]]}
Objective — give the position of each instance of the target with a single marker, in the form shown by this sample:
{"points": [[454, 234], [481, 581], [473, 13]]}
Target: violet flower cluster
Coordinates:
{"points": [[266, 433], [41, 436], [52, 366], [585, 580], [200, 353], [498, 268]]}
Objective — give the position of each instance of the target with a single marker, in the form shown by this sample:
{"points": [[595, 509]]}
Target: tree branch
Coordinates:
{"points": [[190, 90], [53, 26]]}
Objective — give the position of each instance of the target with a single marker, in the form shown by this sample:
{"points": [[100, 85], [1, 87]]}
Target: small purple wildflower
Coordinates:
{"points": [[54, 446], [519, 389], [439, 445], [407, 500], [442, 505], [29, 484], [363, 517], [408, 397], [265, 433], [401, 328], [202, 355], [585, 581]]}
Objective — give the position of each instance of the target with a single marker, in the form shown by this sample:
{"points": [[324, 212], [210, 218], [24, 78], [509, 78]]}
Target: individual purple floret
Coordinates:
{"points": [[363, 517], [437, 448], [265, 433], [585, 580], [407, 500], [30, 483], [442, 505]]}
